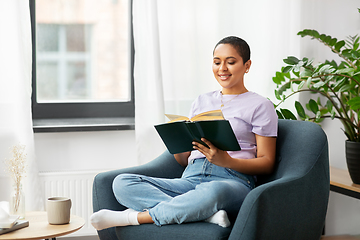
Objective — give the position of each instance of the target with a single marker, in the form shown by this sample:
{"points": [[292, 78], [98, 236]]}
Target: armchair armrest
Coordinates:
{"points": [[103, 198]]}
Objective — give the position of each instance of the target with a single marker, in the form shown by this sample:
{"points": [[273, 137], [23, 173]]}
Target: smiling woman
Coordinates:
{"points": [[211, 173]]}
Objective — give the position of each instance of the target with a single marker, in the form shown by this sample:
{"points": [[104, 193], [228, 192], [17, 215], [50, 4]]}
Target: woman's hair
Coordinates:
{"points": [[239, 44]]}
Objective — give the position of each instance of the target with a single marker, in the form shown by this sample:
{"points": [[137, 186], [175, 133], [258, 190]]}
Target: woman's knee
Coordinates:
{"points": [[122, 184]]}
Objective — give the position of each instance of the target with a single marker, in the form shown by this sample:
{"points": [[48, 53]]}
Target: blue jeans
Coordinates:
{"points": [[203, 189]]}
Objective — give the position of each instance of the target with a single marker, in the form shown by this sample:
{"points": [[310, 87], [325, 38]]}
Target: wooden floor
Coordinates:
{"points": [[342, 237]]}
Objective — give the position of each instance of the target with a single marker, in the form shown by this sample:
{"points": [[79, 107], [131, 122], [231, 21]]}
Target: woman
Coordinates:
{"points": [[215, 182]]}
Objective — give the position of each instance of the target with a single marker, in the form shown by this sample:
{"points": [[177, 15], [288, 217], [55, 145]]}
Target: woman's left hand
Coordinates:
{"points": [[212, 154]]}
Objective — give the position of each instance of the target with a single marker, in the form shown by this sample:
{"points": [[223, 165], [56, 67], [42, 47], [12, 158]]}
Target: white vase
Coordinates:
{"points": [[17, 202]]}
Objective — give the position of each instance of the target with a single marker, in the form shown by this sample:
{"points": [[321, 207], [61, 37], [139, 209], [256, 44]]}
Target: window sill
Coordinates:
{"points": [[82, 124]]}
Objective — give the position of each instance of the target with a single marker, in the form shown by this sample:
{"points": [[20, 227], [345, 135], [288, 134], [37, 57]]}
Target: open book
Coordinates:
{"points": [[180, 132]]}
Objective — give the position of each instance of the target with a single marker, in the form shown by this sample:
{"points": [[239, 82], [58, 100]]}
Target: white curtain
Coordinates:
{"points": [[15, 97], [174, 40]]}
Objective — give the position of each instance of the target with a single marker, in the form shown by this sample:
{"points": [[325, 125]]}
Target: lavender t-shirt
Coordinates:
{"points": [[248, 114]]}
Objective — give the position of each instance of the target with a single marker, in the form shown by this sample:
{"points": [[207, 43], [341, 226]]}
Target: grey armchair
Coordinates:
{"points": [[289, 204]]}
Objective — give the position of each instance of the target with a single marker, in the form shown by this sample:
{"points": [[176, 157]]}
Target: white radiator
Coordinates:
{"points": [[78, 187]]}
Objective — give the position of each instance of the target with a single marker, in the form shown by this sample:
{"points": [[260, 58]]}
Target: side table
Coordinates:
{"points": [[39, 228], [340, 182]]}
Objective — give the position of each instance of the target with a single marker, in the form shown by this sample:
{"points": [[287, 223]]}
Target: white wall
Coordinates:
{"points": [[85, 151]]}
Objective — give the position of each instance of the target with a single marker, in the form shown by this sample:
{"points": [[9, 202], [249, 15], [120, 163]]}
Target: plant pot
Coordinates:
{"points": [[353, 160]]}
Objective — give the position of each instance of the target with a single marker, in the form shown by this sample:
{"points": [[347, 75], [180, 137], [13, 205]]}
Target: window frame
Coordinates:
{"points": [[86, 110]]}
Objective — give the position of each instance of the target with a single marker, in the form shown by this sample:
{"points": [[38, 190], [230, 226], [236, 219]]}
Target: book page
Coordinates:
{"points": [[176, 118], [205, 116], [208, 116]]}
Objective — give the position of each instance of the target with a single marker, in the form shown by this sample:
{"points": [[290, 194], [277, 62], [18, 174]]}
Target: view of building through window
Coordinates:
{"points": [[82, 51]]}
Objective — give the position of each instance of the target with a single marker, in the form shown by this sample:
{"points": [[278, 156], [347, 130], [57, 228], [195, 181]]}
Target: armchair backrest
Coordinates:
{"points": [[291, 202], [298, 146]]}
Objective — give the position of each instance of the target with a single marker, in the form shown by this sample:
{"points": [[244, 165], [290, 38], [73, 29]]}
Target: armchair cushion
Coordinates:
{"points": [[193, 231]]}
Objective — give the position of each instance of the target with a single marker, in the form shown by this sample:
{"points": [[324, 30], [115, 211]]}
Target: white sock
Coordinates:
{"points": [[107, 218], [220, 218]]}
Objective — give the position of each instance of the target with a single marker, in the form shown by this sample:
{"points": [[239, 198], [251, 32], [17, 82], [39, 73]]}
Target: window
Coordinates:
{"points": [[82, 59], [64, 63]]}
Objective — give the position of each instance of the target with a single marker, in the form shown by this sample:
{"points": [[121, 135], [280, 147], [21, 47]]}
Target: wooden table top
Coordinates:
{"points": [[341, 182], [39, 228]]}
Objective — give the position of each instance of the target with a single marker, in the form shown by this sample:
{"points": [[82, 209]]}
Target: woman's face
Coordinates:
{"points": [[229, 69]]}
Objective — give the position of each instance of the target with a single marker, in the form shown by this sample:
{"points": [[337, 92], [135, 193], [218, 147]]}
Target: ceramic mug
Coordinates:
{"points": [[58, 210]]}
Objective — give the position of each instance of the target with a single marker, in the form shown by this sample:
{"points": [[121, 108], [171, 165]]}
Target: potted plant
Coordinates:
{"points": [[336, 89]]}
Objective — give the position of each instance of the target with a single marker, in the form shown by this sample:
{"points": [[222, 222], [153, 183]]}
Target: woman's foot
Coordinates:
{"points": [[107, 218], [220, 218]]}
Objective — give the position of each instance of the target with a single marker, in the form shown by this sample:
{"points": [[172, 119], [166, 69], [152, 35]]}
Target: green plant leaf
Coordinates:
{"points": [[275, 80], [325, 68], [318, 116], [357, 38], [309, 32], [332, 63], [345, 70], [319, 101], [277, 95], [327, 39], [333, 113], [291, 86], [354, 103], [326, 88], [305, 73], [301, 85], [284, 87], [287, 75], [300, 110], [323, 111], [345, 88], [308, 82], [356, 46], [297, 74], [333, 41], [322, 37], [355, 54], [313, 106], [339, 84], [287, 114], [309, 62], [318, 84], [339, 45], [346, 53], [329, 105], [279, 78], [291, 60], [287, 69], [280, 116]]}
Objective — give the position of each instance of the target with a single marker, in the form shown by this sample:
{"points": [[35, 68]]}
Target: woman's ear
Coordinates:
{"points": [[248, 65]]}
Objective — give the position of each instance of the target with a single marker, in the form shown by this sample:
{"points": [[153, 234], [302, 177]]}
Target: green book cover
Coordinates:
{"points": [[178, 136]]}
